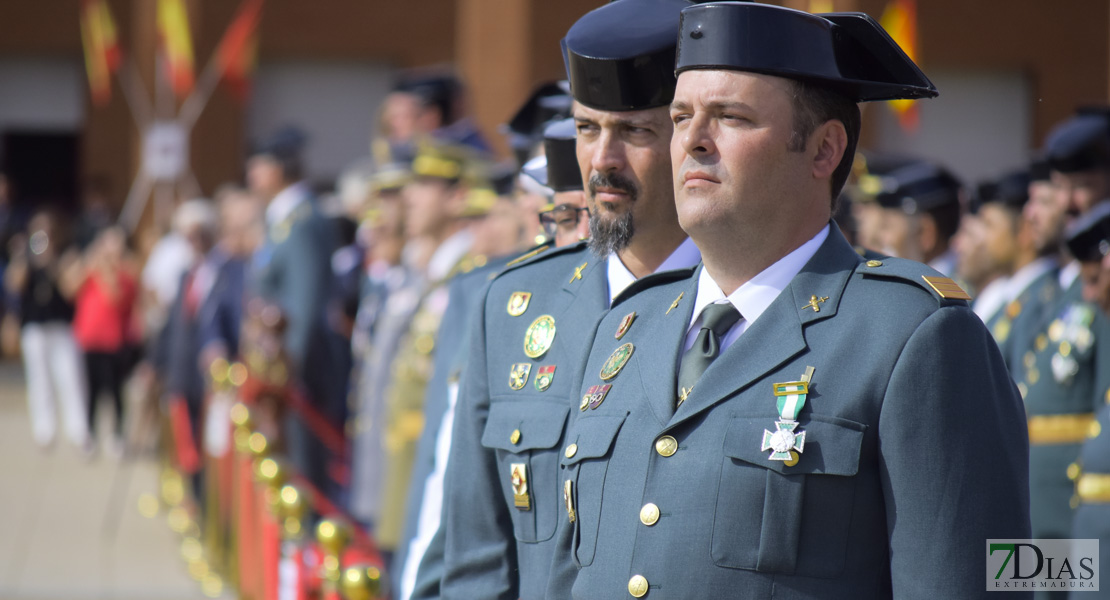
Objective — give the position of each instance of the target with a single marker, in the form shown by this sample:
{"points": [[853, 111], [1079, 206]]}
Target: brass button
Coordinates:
{"points": [[638, 586], [649, 514], [874, 263], [1094, 429], [515, 437], [666, 446], [571, 451]]}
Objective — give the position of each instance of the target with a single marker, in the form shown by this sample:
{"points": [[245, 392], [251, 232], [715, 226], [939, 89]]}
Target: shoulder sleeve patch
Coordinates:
{"points": [[946, 288]]}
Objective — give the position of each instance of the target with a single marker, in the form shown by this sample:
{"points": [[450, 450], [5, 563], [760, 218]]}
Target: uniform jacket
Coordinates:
{"points": [[495, 549], [1092, 517], [1063, 373], [465, 291], [915, 450]]}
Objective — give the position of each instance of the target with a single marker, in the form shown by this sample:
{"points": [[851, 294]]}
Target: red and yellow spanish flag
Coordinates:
{"points": [[900, 21], [177, 45], [102, 53], [238, 51]]}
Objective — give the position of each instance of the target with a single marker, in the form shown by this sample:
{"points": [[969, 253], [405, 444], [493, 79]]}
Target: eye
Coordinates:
{"points": [[584, 127], [679, 118]]}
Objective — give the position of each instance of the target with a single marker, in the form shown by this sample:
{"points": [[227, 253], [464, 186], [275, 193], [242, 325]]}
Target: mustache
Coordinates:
{"points": [[612, 180]]}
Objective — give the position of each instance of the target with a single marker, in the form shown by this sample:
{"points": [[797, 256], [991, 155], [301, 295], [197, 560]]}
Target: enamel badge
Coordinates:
{"points": [[616, 362], [538, 338], [518, 476], [595, 396], [544, 376], [626, 322], [518, 375], [518, 303]]}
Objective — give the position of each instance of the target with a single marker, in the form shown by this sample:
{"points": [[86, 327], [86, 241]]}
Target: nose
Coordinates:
{"points": [[697, 136], [608, 153]]}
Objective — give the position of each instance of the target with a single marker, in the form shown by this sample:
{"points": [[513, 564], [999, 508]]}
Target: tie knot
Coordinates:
{"points": [[719, 318]]}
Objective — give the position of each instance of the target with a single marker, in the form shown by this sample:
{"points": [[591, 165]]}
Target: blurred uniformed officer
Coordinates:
{"points": [[858, 436], [987, 244], [293, 270], [1035, 280], [1089, 243], [531, 334], [566, 218], [1064, 371], [921, 203], [556, 170]]}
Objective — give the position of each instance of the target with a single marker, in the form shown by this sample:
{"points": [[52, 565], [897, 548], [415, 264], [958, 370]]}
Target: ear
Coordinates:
{"points": [[831, 142], [927, 233], [1106, 262]]}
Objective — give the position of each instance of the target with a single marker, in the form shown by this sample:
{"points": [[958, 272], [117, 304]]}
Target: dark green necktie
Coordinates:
{"points": [[716, 320]]}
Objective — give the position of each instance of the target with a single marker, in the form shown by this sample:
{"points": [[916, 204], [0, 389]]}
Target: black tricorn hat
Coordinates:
{"points": [[1010, 190], [847, 52], [563, 174], [621, 56], [918, 187], [1080, 143], [548, 102], [1089, 236]]}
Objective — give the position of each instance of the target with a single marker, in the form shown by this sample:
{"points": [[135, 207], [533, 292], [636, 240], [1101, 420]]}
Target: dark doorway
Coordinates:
{"points": [[42, 168]]}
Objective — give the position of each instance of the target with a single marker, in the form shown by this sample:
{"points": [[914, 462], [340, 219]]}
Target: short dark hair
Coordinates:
{"points": [[815, 105]]}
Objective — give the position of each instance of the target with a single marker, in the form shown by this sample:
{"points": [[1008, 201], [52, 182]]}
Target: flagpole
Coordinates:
{"points": [[202, 92], [133, 93], [136, 201]]}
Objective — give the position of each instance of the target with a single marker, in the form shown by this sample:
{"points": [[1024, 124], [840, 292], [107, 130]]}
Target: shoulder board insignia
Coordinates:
{"points": [[527, 255], [946, 288]]}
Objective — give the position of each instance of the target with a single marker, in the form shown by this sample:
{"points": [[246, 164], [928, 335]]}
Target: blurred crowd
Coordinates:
{"points": [[353, 296]]}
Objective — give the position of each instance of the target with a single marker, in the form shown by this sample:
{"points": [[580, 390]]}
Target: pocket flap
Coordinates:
{"points": [[832, 445], [540, 425], [594, 436]]}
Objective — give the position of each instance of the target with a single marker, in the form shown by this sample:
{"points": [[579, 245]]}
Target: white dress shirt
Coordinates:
{"points": [[685, 256], [752, 298]]}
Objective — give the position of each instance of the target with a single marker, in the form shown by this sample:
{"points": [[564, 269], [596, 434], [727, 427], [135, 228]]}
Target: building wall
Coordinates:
{"points": [[505, 47]]}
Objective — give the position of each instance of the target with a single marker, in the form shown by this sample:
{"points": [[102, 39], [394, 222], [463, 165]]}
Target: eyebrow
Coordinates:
{"points": [[712, 105]]}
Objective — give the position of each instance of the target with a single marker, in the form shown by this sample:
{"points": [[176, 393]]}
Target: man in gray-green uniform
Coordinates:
{"points": [[858, 436], [1034, 284], [1089, 243], [529, 340], [1065, 373]]}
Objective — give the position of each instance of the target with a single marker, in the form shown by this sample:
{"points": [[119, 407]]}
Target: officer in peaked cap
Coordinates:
{"points": [[530, 335], [1089, 242], [735, 439], [921, 203], [566, 218], [1064, 367]]}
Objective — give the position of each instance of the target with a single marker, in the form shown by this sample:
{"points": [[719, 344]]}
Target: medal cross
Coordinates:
{"points": [[814, 301], [577, 272], [784, 439]]}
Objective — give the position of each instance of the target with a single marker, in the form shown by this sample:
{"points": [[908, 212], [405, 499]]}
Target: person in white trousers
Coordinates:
{"points": [[51, 360]]}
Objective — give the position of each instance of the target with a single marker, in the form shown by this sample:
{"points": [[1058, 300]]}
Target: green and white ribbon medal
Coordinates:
{"points": [[786, 442]]}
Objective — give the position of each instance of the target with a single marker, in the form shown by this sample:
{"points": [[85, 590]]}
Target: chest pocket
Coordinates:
{"points": [[787, 520], [593, 438], [527, 432]]}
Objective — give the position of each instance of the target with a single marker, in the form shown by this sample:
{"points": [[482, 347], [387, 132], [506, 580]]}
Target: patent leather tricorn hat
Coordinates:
{"points": [[849, 53]]}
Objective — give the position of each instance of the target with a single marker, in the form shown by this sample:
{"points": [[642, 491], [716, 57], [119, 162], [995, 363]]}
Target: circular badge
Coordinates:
{"points": [[616, 361], [538, 337]]}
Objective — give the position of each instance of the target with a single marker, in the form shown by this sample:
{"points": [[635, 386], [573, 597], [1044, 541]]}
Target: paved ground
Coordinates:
{"points": [[71, 527]]}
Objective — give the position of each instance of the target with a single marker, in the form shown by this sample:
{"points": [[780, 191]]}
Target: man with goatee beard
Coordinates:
{"points": [[503, 495]]}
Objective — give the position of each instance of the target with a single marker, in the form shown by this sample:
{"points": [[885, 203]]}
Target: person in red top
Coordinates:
{"points": [[103, 322]]}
